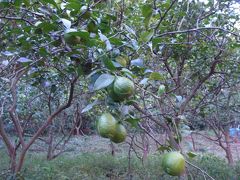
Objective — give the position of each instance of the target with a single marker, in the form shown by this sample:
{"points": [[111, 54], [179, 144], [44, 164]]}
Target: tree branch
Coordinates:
{"points": [[17, 19], [46, 124], [164, 15], [163, 125], [3, 133], [200, 82], [198, 29], [12, 110]]}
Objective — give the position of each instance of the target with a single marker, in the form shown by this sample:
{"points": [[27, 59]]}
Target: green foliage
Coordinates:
{"points": [[214, 166], [4, 160], [103, 166], [181, 55], [237, 168]]}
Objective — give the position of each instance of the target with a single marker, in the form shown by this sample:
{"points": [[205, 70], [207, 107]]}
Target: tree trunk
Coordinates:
{"points": [[112, 149], [13, 161], [145, 147], [193, 142], [228, 149], [50, 144]]}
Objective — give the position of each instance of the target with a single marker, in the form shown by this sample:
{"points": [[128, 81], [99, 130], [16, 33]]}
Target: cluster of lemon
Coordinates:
{"points": [[107, 125], [173, 163]]}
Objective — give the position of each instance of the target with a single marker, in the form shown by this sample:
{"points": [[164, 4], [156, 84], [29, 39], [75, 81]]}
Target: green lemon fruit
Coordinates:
{"points": [[106, 125], [113, 95], [173, 163], [123, 87], [71, 39], [120, 134]]}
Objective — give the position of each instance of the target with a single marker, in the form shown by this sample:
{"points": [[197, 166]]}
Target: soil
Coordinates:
{"points": [[97, 144]]}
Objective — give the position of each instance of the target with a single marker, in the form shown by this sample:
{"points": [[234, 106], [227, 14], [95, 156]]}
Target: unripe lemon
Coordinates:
{"points": [[120, 134], [106, 125], [123, 87], [173, 163]]}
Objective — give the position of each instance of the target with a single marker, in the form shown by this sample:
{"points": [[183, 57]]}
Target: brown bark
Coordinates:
{"points": [[145, 142], [228, 149], [173, 143], [193, 142], [200, 82], [50, 145], [112, 149], [44, 126], [12, 110]]}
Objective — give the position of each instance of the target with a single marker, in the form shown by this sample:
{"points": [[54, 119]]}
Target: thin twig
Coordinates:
{"points": [[197, 29], [198, 168], [16, 18]]}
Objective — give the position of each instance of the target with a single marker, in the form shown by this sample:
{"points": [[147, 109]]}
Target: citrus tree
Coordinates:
{"points": [[144, 62]]}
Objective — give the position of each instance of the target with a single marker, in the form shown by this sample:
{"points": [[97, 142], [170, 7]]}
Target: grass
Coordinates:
{"points": [[93, 166], [104, 166], [90, 166], [3, 160]]}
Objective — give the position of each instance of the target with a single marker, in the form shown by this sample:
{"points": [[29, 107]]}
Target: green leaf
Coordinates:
{"points": [[146, 36], [116, 41], [26, 2], [43, 52], [166, 5], [92, 27], [66, 23], [133, 121], [109, 64], [128, 72], [146, 22], [137, 62], [156, 41], [161, 89], [51, 2], [24, 60], [73, 5], [47, 27], [123, 60], [191, 154], [17, 2], [147, 10], [130, 30], [144, 81], [106, 41], [131, 102], [90, 106], [53, 88], [147, 13], [164, 148], [35, 74], [80, 70], [156, 76], [111, 16], [81, 33], [103, 81]]}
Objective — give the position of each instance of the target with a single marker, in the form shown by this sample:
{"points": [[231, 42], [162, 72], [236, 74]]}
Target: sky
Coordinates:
{"points": [[235, 6]]}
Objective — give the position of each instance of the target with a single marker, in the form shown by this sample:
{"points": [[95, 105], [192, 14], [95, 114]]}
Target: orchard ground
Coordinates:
{"points": [[89, 157], [97, 144]]}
